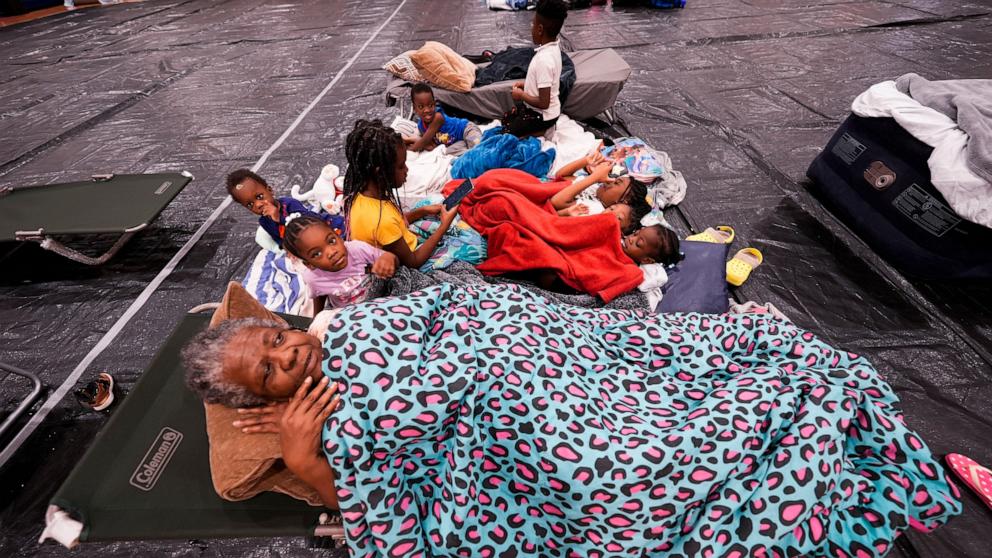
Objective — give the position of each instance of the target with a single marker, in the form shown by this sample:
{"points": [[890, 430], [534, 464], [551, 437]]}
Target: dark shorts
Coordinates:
{"points": [[523, 121]]}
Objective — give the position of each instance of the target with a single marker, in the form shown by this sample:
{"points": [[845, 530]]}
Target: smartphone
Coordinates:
{"points": [[459, 194]]}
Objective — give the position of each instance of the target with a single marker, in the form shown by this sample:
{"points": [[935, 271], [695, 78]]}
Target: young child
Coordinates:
{"points": [[437, 128], [537, 97], [653, 244], [253, 192], [337, 271], [624, 198], [376, 168], [599, 196]]}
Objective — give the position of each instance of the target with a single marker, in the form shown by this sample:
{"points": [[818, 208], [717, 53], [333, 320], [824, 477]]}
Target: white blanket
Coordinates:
{"points": [[429, 171], [967, 193], [570, 141]]}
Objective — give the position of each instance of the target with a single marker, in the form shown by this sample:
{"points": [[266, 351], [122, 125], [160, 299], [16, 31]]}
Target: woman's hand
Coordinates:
{"points": [[257, 420], [385, 265], [302, 422]]}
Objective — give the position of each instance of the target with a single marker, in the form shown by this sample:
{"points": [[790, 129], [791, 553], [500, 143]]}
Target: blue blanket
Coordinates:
{"points": [[503, 151], [483, 420]]}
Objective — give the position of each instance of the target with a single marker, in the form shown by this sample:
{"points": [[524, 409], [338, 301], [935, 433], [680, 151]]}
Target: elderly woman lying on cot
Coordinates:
{"points": [[486, 420]]}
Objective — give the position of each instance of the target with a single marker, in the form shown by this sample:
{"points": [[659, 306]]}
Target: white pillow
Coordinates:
{"points": [[403, 68]]}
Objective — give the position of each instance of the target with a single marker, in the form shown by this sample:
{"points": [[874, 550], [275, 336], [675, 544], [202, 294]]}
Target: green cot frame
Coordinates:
{"points": [[106, 204], [147, 474]]}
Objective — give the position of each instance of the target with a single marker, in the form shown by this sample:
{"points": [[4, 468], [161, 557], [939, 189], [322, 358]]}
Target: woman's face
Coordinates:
{"points": [[272, 362]]}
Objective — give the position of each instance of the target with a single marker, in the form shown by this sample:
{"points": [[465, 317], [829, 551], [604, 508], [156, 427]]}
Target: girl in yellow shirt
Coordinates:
{"points": [[376, 158]]}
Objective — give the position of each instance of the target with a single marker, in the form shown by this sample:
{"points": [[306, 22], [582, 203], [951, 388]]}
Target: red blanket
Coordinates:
{"points": [[512, 209]]}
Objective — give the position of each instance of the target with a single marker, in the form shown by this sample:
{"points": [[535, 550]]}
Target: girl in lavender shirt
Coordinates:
{"points": [[337, 270]]}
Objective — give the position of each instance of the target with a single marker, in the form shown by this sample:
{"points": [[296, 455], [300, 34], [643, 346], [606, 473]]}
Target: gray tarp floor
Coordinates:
{"points": [[742, 94]]}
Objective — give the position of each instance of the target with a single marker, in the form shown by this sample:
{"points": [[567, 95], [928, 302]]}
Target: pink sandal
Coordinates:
{"points": [[978, 478]]}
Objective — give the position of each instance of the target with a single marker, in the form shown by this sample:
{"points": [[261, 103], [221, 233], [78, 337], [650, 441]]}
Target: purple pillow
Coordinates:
{"points": [[699, 282]]}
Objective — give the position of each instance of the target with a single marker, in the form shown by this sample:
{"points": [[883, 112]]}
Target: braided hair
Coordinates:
{"points": [[635, 191], [636, 196], [370, 149], [668, 250], [294, 229]]}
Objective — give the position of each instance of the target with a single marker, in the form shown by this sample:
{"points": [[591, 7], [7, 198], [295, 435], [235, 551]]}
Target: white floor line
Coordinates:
{"points": [[56, 397]]}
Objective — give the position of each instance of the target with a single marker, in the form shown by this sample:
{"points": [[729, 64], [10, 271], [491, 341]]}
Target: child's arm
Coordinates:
{"points": [[384, 267], [427, 138], [540, 101], [566, 196], [574, 210], [580, 163], [416, 258], [415, 215]]}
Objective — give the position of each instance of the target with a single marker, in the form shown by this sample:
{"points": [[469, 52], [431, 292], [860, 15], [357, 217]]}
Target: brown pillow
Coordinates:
{"points": [[443, 67], [244, 465]]}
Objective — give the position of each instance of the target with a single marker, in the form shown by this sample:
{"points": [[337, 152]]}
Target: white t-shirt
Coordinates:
{"points": [[545, 71]]}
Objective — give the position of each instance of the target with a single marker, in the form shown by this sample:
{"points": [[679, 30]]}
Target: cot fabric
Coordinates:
{"points": [[378, 222]]}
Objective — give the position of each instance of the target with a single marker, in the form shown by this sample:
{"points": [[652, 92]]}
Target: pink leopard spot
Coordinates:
{"points": [[619, 521], [792, 511]]}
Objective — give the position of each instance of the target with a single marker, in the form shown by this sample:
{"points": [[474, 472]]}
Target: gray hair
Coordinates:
{"points": [[203, 358]]}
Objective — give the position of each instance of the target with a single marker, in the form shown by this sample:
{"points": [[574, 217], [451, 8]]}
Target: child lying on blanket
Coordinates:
{"points": [[337, 271], [253, 192], [649, 245], [627, 199], [437, 128], [376, 169], [602, 194], [514, 211]]}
